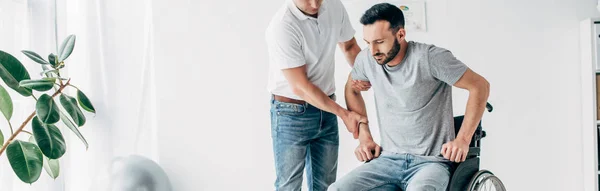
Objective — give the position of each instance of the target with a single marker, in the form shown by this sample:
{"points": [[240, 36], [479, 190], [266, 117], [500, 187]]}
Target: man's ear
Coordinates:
{"points": [[401, 34]]}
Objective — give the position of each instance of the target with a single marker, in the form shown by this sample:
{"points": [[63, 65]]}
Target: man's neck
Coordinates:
{"points": [[400, 56], [313, 16]]}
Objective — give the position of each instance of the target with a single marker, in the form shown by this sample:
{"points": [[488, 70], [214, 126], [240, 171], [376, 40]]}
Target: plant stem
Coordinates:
{"points": [[27, 132], [74, 86], [14, 135], [59, 80], [11, 128], [17, 132], [34, 97]]}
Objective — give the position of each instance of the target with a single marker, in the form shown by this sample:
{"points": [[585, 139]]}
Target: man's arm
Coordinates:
{"points": [[350, 49], [354, 99], [356, 103], [479, 89], [302, 87]]}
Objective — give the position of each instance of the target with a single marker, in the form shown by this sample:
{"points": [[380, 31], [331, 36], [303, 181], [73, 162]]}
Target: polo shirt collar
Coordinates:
{"points": [[292, 7]]}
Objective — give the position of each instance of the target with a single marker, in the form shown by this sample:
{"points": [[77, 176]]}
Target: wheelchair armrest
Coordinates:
{"points": [[473, 152]]}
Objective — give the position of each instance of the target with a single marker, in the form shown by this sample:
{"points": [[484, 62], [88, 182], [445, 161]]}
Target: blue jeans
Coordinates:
{"points": [[393, 171], [303, 136]]}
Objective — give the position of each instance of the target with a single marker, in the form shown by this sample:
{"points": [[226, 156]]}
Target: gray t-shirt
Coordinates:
{"points": [[413, 99]]}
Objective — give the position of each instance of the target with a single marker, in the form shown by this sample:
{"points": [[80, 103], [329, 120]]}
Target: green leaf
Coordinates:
{"points": [[1, 139], [66, 48], [85, 102], [53, 59], [41, 85], [71, 125], [52, 167], [12, 72], [49, 138], [25, 159], [47, 110], [34, 56], [6, 104], [70, 105]]}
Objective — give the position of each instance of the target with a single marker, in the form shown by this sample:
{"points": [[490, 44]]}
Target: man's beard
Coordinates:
{"points": [[391, 54]]}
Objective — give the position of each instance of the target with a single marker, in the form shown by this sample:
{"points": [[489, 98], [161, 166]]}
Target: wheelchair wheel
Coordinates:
{"points": [[485, 180]]}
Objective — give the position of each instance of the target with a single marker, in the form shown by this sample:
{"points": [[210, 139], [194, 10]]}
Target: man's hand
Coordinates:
{"points": [[367, 150], [361, 85], [456, 151], [351, 121]]}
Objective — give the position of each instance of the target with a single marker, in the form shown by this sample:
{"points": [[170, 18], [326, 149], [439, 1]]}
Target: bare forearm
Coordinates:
{"points": [[356, 103], [474, 111], [315, 96]]}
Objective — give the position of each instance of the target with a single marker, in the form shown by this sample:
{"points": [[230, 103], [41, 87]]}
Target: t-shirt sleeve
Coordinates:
{"points": [[358, 70], [285, 47], [346, 32], [444, 66]]}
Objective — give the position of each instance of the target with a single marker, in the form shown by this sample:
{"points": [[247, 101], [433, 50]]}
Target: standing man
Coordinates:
{"points": [[301, 40]]}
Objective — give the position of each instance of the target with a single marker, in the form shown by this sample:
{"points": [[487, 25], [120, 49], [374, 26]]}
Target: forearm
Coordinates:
{"points": [[474, 111], [356, 103], [315, 96]]}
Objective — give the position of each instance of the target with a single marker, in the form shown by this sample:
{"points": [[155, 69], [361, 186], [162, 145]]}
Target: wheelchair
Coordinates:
{"points": [[466, 176]]}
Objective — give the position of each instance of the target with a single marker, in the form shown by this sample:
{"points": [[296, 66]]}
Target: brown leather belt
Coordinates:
{"points": [[290, 100]]}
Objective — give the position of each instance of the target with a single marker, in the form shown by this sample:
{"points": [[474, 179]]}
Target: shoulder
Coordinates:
{"points": [[336, 5], [364, 56], [282, 23], [419, 47], [426, 50]]}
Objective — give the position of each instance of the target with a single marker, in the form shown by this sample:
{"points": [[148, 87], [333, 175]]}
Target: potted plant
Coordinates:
{"points": [[46, 144]]}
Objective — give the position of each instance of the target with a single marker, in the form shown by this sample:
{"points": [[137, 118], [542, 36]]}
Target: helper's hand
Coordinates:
{"points": [[361, 85], [367, 150], [456, 151], [351, 121]]}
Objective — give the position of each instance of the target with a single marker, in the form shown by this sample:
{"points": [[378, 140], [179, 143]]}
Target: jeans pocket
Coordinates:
{"points": [[291, 109]]}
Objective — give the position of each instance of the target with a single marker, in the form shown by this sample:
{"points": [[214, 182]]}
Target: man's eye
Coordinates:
{"points": [[379, 42]]}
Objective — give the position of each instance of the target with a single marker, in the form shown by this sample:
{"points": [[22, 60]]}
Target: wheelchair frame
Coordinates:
{"points": [[463, 172]]}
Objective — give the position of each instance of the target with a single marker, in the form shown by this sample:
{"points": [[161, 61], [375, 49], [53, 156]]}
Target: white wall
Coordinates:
{"points": [[213, 119], [108, 62]]}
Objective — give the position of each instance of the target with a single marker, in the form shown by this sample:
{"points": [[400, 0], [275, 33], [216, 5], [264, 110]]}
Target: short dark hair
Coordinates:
{"points": [[385, 12]]}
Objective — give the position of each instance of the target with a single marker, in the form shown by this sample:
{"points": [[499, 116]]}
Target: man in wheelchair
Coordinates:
{"points": [[413, 97]]}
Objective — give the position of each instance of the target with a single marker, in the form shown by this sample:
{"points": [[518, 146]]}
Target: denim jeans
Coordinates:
{"points": [[303, 137], [393, 171]]}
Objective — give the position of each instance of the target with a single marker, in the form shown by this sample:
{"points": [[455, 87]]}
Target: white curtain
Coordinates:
{"points": [[112, 63]]}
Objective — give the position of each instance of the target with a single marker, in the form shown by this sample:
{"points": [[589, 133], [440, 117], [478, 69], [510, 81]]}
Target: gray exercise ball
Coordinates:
{"points": [[132, 173]]}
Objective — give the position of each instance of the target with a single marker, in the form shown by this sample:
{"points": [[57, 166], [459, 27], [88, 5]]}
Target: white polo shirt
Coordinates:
{"points": [[295, 39]]}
